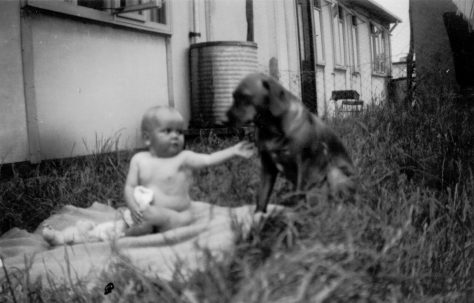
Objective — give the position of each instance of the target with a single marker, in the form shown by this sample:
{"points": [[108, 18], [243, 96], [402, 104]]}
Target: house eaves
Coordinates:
{"points": [[373, 9]]}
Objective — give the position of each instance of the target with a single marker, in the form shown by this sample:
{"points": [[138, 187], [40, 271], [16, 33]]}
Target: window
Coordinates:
{"points": [[300, 31], [318, 25], [339, 36], [378, 37], [151, 15], [154, 15], [354, 44]]}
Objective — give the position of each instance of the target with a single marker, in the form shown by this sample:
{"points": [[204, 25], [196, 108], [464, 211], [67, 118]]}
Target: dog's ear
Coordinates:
{"points": [[276, 97]]}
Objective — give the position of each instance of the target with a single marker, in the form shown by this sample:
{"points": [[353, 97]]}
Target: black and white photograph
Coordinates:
{"points": [[210, 151]]}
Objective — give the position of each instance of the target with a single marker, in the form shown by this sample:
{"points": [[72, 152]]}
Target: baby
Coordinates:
{"points": [[166, 169], [163, 174]]}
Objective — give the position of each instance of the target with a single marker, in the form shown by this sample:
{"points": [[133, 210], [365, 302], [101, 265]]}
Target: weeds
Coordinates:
{"points": [[408, 237]]}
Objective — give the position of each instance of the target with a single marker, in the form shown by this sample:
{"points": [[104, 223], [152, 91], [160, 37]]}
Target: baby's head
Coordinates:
{"points": [[162, 130]]}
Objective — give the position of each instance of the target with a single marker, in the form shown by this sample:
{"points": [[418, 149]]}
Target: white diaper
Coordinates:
{"points": [[143, 196]]}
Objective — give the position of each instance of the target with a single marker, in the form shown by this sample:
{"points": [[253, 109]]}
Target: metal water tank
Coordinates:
{"points": [[216, 69]]}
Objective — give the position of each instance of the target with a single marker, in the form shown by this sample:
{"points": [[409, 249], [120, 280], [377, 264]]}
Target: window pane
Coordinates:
{"points": [[374, 51], [300, 32], [350, 41], [355, 48], [319, 35], [382, 43], [337, 45], [341, 43]]}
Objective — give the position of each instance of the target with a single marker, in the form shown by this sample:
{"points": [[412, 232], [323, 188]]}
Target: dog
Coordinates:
{"points": [[291, 140]]}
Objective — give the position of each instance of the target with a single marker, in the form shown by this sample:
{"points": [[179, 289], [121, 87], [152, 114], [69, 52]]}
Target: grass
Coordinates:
{"points": [[408, 237]]}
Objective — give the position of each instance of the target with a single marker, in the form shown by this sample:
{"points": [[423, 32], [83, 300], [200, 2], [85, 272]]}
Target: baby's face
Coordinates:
{"points": [[167, 138]]}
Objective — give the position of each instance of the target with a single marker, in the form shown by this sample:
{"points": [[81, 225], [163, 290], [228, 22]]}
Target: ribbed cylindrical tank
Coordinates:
{"points": [[216, 69]]}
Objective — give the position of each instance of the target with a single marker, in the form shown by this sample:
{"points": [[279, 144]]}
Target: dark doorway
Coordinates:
{"points": [[306, 47]]}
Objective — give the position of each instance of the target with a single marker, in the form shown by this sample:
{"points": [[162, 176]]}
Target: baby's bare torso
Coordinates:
{"points": [[168, 179]]}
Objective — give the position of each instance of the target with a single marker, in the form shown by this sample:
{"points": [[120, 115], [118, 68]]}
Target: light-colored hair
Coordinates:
{"points": [[151, 117]]}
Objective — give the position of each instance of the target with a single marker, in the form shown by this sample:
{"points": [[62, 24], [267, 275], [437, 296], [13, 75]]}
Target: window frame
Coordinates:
{"points": [[70, 8], [354, 51], [319, 39], [301, 41], [337, 29], [378, 49]]}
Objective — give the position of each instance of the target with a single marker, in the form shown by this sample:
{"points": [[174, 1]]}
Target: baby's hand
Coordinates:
{"points": [[244, 149]]}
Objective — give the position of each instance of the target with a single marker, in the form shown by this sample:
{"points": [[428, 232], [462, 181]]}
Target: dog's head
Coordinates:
{"points": [[257, 94]]}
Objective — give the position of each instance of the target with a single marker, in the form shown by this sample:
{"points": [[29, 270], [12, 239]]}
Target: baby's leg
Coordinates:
{"points": [[139, 230], [69, 235]]}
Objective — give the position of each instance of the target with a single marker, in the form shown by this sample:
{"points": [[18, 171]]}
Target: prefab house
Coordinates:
{"points": [[346, 46], [78, 74]]}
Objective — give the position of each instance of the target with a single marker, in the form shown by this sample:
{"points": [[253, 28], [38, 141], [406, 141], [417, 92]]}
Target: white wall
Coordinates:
{"points": [[277, 37], [93, 81], [13, 133], [226, 20]]}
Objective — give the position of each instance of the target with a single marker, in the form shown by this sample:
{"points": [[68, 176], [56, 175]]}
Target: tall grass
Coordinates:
{"points": [[408, 237], [30, 196]]}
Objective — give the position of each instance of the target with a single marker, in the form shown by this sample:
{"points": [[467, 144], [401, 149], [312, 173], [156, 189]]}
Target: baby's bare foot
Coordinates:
{"points": [[49, 234]]}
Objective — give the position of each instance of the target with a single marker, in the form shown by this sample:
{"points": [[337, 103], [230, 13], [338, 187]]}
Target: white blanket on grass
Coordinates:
{"points": [[214, 232]]}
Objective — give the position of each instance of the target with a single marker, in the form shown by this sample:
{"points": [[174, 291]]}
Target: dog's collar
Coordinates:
{"points": [[268, 123]]}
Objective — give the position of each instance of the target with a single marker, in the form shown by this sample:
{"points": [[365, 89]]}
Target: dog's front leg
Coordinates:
{"points": [[299, 186], [269, 173], [299, 189]]}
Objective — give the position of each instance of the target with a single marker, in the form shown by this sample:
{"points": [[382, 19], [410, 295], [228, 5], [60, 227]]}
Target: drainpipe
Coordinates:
{"points": [[249, 17], [195, 33]]}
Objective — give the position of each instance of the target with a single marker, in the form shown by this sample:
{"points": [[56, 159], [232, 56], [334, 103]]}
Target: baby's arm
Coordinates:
{"points": [[197, 160], [130, 184]]}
